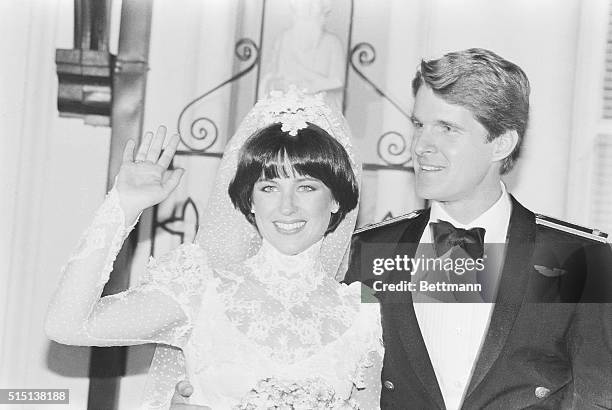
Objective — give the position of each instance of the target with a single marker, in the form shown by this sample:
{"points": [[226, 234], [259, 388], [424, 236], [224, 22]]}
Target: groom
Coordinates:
{"points": [[545, 343]]}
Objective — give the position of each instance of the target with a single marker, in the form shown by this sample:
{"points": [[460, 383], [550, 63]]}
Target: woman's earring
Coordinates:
{"points": [[252, 210]]}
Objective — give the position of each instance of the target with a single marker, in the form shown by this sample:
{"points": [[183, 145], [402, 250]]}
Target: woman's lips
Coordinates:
{"points": [[289, 227]]}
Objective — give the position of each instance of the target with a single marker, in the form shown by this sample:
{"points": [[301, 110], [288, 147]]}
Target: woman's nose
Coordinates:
{"points": [[287, 205]]}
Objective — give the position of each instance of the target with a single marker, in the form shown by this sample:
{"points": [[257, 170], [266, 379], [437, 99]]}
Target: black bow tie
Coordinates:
{"points": [[446, 236]]}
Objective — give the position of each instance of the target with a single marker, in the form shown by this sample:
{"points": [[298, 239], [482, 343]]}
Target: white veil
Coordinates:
{"points": [[225, 234]]}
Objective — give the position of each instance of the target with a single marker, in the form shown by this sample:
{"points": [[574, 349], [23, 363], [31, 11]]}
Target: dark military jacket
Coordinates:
{"points": [[549, 341]]}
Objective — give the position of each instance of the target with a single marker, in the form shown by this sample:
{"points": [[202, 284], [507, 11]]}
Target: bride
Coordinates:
{"points": [[251, 312]]}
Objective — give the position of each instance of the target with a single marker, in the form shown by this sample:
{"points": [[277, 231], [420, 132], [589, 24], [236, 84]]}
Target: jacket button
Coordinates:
{"points": [[541, 392], [389, 385]]}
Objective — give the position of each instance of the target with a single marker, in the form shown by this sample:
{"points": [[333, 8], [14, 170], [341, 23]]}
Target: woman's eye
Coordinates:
{"points": [[416, 124], [306, 188], [268, 188]]}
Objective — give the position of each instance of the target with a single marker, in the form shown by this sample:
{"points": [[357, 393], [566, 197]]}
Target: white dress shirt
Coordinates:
{"points": [[454, 332]]}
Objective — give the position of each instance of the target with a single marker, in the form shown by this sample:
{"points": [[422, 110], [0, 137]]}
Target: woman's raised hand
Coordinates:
{"points": [[145, 180]]}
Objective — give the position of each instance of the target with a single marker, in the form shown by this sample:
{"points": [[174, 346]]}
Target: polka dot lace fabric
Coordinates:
{"points": [[78, 316]]}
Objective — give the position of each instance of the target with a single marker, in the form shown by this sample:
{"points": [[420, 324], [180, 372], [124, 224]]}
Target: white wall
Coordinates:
{"points": [[541, 37], [587, 121], [52, 179]]}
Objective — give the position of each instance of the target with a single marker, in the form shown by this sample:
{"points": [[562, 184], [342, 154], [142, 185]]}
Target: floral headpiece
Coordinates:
{"points": [[293, 109]]}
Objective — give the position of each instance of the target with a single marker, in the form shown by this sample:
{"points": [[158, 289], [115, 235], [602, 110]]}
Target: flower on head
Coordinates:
{"points": [[294, 109], [292, 124]]}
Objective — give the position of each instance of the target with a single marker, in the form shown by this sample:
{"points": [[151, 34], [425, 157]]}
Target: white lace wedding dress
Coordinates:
{"points": [[271, 317]]}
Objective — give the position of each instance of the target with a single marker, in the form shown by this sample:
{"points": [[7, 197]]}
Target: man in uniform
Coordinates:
{"points": [[541, 336]]}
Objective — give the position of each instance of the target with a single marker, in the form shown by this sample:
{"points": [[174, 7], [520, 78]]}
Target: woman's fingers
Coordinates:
{"points": [[151, 147], [128, 151], [173, 180], [169, 151], [141, 155], [156, 144]]}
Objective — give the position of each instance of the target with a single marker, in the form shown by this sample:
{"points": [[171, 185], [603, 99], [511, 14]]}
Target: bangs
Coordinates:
{"points": [[290, 163]]}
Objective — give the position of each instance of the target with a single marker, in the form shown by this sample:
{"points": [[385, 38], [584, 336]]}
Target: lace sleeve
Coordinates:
{"points": [[148, 313], [366, 379]]}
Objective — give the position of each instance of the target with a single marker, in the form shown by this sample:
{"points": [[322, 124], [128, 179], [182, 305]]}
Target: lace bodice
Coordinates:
{"points": [[272, 317], [287, 304]]}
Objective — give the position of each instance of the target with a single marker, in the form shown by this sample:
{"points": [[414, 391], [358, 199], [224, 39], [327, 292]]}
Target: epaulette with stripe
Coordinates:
{"points": [[594, 234], [400, 218]]}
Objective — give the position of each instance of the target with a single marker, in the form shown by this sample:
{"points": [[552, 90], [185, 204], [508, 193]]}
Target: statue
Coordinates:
{"points": [[306, 55]]}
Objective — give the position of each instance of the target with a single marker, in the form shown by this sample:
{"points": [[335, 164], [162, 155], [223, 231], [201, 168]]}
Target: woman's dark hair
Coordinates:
{"points": [[312, 152]]}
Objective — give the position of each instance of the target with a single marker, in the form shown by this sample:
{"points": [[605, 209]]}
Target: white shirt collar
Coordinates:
{"points": [[494, 220]]}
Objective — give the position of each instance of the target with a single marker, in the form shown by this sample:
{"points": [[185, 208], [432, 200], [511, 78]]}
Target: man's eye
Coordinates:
{"points": [[416, 124], [447, 128]]}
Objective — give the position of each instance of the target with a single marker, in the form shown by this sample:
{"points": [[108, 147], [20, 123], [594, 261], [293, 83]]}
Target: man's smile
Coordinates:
{"points": [[429, 167]]}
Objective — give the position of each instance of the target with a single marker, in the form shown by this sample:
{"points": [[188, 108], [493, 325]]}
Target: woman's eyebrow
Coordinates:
{"points": [[308, 179]]}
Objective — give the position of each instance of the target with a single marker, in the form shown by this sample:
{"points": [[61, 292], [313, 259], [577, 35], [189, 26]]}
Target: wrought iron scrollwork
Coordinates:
{"points": [[203, 134], [203, 131], [175, 224], [393, 148], [366, 55], [244, 50]]}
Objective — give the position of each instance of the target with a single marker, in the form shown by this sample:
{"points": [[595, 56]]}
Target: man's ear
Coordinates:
{"points": [[504, 145]]}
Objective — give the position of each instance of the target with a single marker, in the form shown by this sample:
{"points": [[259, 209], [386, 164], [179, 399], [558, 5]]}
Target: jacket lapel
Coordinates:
{"points": [[520, 243], [405, 319]]}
